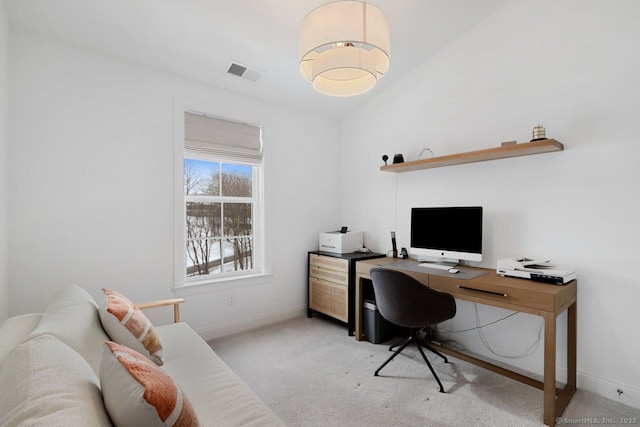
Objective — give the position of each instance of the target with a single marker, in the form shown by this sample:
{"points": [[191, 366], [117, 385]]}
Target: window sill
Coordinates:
{"points": [[230, 282]]}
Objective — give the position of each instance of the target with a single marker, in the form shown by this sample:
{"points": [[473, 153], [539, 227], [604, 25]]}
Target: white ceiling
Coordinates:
{"points": [[198, 39]]}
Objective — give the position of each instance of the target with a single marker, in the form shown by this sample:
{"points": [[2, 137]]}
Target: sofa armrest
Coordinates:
{"points": [[14, 329], [175, 302]]}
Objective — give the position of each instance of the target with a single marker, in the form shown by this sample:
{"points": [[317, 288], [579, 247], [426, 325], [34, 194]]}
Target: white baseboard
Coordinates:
{"points": [[228, 328], [625, 394]]}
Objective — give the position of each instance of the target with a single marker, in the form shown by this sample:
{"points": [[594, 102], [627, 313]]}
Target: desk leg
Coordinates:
{"points": [[572, 344], [549, 368], [569, 389]]}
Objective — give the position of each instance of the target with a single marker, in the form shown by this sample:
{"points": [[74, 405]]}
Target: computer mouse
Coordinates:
{"points": [[453, 270]]}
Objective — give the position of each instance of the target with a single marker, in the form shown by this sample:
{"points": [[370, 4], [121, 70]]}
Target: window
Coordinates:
{"points": [[220, 200]]}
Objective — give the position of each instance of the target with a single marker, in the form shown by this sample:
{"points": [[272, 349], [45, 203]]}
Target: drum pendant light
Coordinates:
{"points": [[344, 47]]}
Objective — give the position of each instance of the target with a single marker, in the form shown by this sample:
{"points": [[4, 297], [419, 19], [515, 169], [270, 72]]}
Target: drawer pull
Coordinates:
{"points": [[483, 291]]}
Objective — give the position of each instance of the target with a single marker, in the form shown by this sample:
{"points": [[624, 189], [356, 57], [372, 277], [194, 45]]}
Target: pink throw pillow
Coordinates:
{"points": [[127, 325], [137, 392]]}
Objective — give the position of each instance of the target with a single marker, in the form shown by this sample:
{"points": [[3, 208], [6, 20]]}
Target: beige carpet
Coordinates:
{"points": [[311, 373]]}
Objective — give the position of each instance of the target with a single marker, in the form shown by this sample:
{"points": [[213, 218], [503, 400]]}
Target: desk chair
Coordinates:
{"points": [[406, 302]]}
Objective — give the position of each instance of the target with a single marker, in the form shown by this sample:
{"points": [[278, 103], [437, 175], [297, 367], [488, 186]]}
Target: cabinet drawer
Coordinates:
{"points": [[338, 277], [329, 298], [331, 263]]}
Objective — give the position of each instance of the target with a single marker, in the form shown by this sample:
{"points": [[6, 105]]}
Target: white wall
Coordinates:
{"points": [[574, 67], [4, 41], [91, 177], [90, 145]]}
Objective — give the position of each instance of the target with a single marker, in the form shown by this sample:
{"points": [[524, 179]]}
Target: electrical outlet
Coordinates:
{"points": [[231, 300]]}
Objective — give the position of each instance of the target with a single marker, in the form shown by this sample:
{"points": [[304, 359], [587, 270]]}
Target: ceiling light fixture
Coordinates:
{"points": [[344, 47]]}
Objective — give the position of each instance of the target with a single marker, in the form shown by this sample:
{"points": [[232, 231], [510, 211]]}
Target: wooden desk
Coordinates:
{"points": [[540, 299]]}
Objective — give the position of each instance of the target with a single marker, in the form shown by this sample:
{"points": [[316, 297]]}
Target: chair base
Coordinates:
{"points": [[414, 339]]}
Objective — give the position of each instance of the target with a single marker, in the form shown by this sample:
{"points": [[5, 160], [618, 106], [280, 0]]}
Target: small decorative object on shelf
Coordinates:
{"points": [[538, 133], [398, 158], [385, 158], [508, 143], [425, 153]]}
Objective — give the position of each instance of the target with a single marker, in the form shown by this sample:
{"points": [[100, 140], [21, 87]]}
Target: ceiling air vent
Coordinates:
{"points": [[244, 71]]}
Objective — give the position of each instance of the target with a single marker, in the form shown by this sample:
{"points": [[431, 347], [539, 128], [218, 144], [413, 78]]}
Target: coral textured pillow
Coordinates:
{"points": [[126, 325], [136, 392]]}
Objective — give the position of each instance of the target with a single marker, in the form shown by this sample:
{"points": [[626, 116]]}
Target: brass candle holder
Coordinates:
{"points": [[539, 133]]}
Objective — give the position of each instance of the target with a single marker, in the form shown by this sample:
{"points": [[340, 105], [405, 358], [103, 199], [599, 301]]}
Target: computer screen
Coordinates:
{"points": [[447, 233]]}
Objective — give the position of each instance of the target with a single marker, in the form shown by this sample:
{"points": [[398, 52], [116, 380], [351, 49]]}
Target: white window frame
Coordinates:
{"points": [[180, 278]]}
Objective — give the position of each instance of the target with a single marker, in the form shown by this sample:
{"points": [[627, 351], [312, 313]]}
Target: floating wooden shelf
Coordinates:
{"points": [[503, 152]]}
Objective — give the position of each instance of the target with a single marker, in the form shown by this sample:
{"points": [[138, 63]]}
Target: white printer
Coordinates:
{"points": [[538, 270], [341, 243]]}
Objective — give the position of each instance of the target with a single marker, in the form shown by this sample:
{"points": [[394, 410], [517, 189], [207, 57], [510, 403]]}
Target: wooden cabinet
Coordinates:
{"points": [[329, 286], [332, 284]]}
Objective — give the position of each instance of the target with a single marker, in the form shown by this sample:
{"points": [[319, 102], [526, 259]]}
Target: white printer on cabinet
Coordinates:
{"points": [[341, 243]]}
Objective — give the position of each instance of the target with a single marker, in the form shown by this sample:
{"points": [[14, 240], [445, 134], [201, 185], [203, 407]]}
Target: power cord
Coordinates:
{"points": [[482, 326], [526, 353], [428, 333], [534, 346]]}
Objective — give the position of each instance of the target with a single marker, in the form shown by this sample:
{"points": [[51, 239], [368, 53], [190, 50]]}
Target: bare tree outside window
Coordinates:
{"points": [[219, 217]]}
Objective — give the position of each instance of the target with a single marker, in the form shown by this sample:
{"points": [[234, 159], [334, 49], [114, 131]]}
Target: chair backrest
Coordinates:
{"points": [[403, 300]]}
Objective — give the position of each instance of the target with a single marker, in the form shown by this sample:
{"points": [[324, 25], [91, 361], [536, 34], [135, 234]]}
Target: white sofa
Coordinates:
{"points": [[50, 362]]}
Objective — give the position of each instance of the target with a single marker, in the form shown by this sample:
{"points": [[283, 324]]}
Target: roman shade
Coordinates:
{"points": [[221, 138]]}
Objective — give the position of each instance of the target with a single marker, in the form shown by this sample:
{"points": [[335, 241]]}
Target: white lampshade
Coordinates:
{"points": [[344, 47]]}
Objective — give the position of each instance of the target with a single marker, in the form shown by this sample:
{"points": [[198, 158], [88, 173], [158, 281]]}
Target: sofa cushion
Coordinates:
{"points": [[72, 317], [127, 325], [218, 395], [136, 392], [46, 383]]}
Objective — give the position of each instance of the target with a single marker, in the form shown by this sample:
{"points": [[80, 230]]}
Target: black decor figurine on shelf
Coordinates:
{"points": [[384, 159], [398, 158]]}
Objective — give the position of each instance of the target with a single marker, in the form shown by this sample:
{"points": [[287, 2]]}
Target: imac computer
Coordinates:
{"points": [[447, 235]]}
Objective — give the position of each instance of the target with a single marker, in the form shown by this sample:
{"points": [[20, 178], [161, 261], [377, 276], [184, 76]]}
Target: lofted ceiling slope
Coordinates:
{"points": [[198, 39]]}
